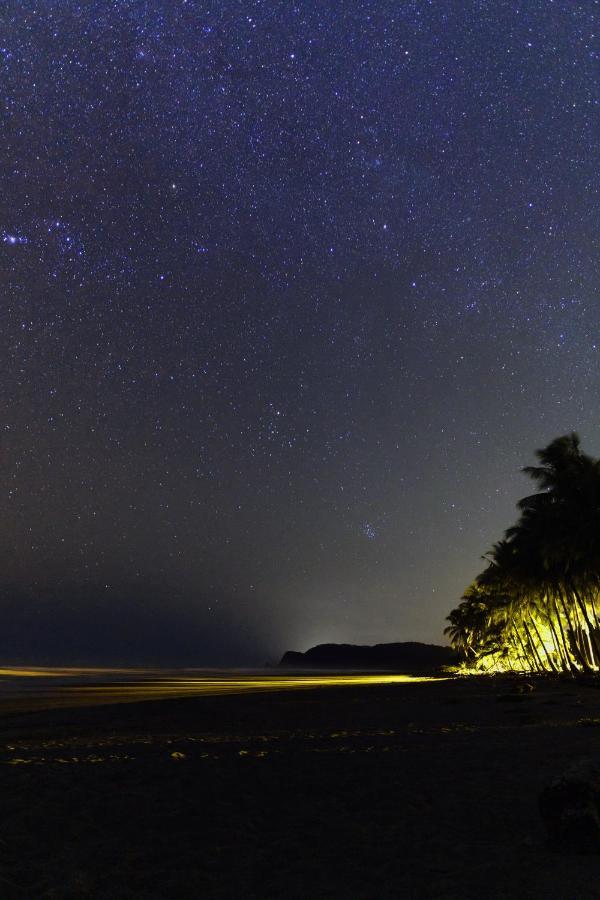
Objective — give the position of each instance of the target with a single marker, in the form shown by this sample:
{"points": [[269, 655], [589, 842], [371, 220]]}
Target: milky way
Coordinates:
{"points": [[290, 292]]}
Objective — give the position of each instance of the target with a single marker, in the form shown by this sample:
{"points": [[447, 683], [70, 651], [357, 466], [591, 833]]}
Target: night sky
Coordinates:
{"points": [[290, 293]]}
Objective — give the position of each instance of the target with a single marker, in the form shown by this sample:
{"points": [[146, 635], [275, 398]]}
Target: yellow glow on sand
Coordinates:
{"points": [[148, 685], [53, 672]]}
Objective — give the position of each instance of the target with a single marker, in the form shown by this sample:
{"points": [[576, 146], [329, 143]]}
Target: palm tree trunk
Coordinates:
{"points": [[578, 654], [571, 667], [525, 656], [536, 656], [592, 632], [589, 598], [581, 630], [548, 657], [558, 647], [593, 605]]}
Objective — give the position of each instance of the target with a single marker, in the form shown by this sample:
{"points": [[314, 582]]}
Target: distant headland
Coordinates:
{"points": [[409, 656]]}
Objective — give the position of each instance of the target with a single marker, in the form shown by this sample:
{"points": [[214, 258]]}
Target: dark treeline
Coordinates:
{"points": [[536, 605]]}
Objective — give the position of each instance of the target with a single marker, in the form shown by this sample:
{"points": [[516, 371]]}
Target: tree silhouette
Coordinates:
{"points": [[535, 605]]}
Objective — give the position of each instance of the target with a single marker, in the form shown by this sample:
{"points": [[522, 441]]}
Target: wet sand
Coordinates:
{"points": [[404, 790], [25, 690]]}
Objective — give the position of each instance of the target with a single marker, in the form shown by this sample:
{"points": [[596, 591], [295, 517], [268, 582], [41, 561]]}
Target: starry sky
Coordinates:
{"points": [[291, 290]]}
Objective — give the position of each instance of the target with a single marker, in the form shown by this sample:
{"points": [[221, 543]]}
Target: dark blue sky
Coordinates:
{"points": [[291, 291]]}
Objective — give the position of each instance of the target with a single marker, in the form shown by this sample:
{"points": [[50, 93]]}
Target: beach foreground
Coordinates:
{"points": [[416, 790]]}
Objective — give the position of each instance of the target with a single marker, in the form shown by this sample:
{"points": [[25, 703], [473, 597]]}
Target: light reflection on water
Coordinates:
{"points": [[29, 688]]}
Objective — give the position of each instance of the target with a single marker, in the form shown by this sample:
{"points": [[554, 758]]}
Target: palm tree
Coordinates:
{"points": [[535, 606], [562, 524]]}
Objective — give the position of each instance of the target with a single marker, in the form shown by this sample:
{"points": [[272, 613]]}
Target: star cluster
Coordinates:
{"points": [[290, 292]]}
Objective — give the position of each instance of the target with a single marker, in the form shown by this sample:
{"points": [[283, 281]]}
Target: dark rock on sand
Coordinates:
{"points": [[410, 656], [570, 808], [518, 691]]}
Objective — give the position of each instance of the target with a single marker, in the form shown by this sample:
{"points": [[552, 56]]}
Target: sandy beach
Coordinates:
{"points": [[410, 790]]}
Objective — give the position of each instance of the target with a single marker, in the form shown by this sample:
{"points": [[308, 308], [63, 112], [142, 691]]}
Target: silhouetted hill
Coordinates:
{"points": [[406, 657]]}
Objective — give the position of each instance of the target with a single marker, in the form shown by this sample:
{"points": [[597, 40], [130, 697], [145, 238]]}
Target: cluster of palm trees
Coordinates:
{"points": [[536, 605]]}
